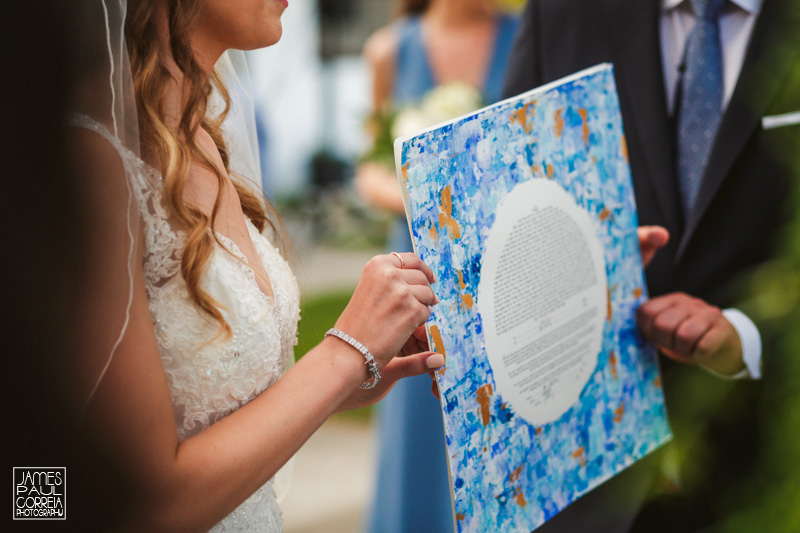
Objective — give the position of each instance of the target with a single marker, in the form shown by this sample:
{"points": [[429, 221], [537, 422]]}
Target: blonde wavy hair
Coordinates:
{"points": [[176, 149]]}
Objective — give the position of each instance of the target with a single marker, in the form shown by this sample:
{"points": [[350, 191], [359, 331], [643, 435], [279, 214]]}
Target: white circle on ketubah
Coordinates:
{"points": [[542, 299]]}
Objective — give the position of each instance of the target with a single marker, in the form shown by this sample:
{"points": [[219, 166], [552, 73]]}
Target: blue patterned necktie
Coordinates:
{"points": [[700, 109]]}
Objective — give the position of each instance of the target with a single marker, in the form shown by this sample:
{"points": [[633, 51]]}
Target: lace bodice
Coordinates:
{"points": [[210, 376]]}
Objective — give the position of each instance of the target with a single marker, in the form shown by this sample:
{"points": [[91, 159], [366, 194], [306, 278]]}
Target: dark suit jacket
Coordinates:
{"points": [[740, 208]]}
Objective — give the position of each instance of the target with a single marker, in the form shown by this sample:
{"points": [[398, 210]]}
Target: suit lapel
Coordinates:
{"points": [[773, 47], [637, 51]]}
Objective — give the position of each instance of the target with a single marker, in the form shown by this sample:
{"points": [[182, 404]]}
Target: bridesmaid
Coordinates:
{"points": [[433, 42]]}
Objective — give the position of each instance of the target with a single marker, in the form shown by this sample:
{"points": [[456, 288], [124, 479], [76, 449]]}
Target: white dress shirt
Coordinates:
{"points": [[736, 26]]}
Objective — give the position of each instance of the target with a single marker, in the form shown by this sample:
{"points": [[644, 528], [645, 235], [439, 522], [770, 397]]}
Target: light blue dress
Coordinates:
{"points": [[412, 492]]}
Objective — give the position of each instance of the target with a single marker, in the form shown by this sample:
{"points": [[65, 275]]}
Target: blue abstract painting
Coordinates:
{"points": [[508, 473]]}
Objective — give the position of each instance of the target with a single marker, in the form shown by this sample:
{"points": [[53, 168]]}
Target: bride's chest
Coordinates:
{"points": [[262, 328], [211, 375]]}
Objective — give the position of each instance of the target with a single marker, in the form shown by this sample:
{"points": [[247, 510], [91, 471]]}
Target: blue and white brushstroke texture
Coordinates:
{"points": [[506, 474]]}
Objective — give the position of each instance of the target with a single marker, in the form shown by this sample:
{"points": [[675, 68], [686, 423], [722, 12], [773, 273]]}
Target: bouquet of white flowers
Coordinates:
{"points": [[443, 102]]}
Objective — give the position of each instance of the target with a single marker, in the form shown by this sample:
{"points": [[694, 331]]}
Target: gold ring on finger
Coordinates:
{"points": [[402, 263]]}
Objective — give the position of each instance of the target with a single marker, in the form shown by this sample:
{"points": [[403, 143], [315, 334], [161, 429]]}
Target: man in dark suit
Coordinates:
{"points": [[722, 208]]}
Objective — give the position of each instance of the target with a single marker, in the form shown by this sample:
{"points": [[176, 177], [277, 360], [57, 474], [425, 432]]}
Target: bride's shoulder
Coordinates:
{"points": [[99, 174], [94, 158], [110, 178]]}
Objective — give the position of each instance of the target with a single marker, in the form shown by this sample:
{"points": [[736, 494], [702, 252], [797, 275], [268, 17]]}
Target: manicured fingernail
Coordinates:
{"points": [[435, 299], [435, 361]]}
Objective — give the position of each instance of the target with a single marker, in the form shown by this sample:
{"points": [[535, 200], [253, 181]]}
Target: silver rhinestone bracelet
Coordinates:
{"points": [[369, 360]]}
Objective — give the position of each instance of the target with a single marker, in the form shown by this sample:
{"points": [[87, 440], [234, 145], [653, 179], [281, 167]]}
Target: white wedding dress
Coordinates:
{"points": [[210, 380]]}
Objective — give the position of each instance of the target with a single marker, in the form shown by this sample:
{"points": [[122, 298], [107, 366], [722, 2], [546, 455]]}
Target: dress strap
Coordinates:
{"points": [[86, 122], [504, 40], [413, 74]]}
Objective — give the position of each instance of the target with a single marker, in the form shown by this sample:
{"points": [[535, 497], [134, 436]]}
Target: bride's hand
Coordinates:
{"points": [[414, 359], [391, 300]]}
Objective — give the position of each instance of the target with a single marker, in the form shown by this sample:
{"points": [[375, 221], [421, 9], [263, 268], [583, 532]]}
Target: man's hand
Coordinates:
{"points": [[651, 238], [691, 331]]}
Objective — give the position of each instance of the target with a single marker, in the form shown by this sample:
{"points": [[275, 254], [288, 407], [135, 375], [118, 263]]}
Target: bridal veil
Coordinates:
{"points": [[103, 93]]}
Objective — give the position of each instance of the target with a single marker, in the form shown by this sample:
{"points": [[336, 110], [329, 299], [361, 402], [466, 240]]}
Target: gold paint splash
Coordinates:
{"points": [[447, 200], [612, 361], [520, 498], [625, 149], [520, 116], [558, 120], [483, 395], [580, 455], [436, 337], [585, 116], [513, 476], [404, 172], [637, 292], [434, 232], [619, 412], [609, 312], [550, 171], [604, 214], [446, 219], [466, 299], [657, 382]]}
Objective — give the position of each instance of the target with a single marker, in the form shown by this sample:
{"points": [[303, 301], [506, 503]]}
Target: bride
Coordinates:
{"points": [[188, 310], [192, 321]]}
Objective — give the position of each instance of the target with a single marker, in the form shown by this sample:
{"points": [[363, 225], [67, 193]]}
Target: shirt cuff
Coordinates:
{"points": [[751, 343]]}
